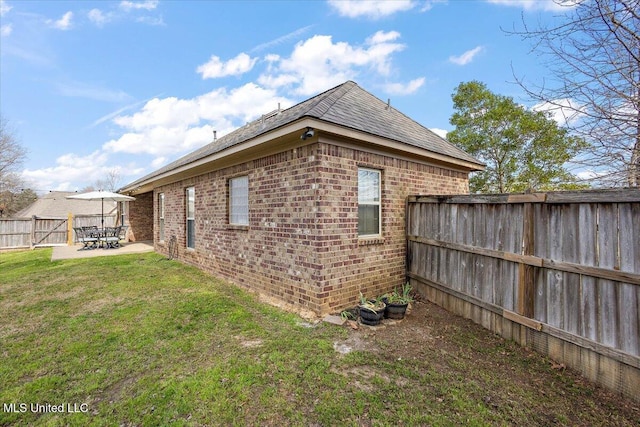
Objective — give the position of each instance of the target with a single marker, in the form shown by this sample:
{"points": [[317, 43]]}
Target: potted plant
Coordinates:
{"points": [[397, 302], [371, 311]]}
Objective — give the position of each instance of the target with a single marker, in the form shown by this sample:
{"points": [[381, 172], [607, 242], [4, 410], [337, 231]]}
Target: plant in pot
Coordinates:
{"points": [[371, 311], [397, 302]]}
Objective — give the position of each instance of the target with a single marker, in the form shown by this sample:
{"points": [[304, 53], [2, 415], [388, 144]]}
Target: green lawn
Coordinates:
{"points": [[140, 340]]}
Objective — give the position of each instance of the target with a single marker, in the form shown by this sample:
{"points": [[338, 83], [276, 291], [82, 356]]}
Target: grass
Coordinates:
{"points": [[140, 340]]}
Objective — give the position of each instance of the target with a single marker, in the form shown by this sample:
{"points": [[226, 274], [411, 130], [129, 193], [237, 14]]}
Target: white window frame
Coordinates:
{"points": [[190, 195], [161, 207], [370, 202], [239, 200]]}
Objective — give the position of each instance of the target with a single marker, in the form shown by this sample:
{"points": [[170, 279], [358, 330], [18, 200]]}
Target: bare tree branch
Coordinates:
{"points": [[593, 57]]}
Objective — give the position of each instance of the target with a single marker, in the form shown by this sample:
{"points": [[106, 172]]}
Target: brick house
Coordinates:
{"points": [[304, 205]]}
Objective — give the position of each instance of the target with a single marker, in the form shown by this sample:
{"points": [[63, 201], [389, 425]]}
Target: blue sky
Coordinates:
{"points": [[128, 86]]}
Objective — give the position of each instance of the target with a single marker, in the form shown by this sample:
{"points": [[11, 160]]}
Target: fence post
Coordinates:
{"points": [[32, 243], [526, 289], [70, 229]]}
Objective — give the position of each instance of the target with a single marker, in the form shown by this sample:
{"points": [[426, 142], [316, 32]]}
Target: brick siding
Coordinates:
{"points": [[140, 218], [302, 246]]}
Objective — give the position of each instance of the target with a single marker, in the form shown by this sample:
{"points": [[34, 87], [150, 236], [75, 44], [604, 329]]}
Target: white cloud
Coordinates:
{"points": [[171, 126], [466, 57], [145, 5], [63, 23], [440, 132], [429, 4], [4, 8], [158, 162], [373, 9], [5, 30], [165, 127], [547, 5], [589, 174], [119, 111], [126, 12], [98, 17], [318, 63], [74, 168], [233, 67], [562, 111], [404, 89], [167, 112], [382, 37]]}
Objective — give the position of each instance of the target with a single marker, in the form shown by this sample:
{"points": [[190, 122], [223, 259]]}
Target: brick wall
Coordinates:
{"points": [[301, 246], [140, 218], [372, 266]]}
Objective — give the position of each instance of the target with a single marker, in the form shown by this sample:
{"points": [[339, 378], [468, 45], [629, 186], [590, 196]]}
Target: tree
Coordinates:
{"points": [[593, 56], [12, 155], [523, 149], [109, 182], [13, 202]]}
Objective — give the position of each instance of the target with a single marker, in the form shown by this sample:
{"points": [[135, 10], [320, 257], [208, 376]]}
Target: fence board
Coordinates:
{"points": [[39, 231], [15, 233], [630, 261], [582, 263]]}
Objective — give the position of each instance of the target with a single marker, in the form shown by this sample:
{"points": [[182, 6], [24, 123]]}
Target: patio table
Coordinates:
{"points": [[108, 237]]}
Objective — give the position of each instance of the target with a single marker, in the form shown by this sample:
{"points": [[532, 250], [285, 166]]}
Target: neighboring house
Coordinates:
{"points": [[305, 205], [55, 204]]}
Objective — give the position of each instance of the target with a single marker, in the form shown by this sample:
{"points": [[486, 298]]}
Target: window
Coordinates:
{"points": [[191, 217], [161, 217], [368, 202], [239, 200], [123, 212]]}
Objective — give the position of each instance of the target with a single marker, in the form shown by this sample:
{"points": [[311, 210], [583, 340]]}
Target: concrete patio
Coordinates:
{"points": [[76, 251]]}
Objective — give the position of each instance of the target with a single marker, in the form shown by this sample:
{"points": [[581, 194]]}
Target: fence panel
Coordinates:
{"points": [[15, 233], [562, 267], [40, 231]]}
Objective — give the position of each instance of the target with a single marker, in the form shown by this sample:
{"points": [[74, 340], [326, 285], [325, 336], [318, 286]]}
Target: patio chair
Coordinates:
{"points": [[91, 230], [111, 237], [123, 232], [89, 241]]}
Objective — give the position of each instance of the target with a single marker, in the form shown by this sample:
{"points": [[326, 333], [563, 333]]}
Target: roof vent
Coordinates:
{"points": [[271, 114], [215, 135]]}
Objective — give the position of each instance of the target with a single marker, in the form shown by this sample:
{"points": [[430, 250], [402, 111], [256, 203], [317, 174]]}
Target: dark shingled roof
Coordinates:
{"points": [[346, 105]]}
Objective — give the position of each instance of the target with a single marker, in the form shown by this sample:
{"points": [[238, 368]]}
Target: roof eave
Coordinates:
{"points": [[286, 131], [281, 132], [398, 146]]}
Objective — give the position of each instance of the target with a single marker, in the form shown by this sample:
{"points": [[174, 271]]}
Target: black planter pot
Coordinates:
{"points": [[371, 318], [395, 311]]}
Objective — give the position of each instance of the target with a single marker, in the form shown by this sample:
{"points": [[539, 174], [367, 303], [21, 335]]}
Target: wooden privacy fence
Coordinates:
{"points": [[558, 272], [40, 231]]}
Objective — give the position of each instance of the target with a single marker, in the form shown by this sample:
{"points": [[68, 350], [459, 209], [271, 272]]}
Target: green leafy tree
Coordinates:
{"points": [[523, 149]]}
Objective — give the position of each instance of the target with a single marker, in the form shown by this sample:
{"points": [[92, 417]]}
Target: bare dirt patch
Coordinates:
{"points": [[507, 376]]}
